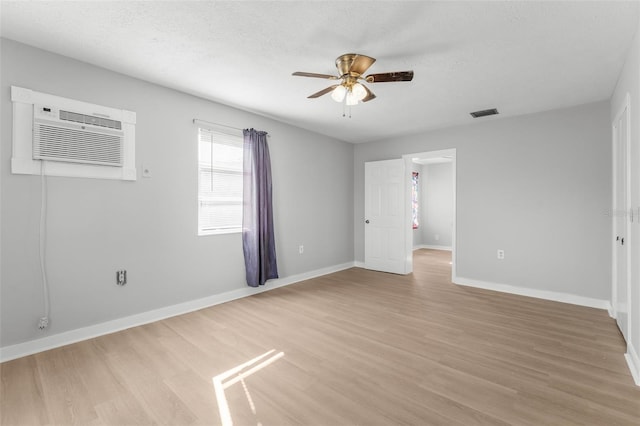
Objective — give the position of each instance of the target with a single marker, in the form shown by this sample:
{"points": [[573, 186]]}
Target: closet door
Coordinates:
{"points": [[621, 284]]}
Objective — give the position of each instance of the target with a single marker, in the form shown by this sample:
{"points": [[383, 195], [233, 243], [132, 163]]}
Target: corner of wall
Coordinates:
{"points": [[633, 361]]}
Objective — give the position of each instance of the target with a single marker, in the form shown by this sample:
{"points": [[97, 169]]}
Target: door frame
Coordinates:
{"points": [[408, 160], [624, 109]]}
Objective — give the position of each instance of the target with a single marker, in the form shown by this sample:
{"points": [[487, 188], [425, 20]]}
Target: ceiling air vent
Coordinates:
{"points": [[484, 113]]}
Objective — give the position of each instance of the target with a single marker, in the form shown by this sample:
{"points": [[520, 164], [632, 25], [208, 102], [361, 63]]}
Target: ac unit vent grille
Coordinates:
{"points": [[88, 119], [76, 146]]}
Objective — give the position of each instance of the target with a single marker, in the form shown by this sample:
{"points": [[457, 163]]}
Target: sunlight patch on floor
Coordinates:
{"points": [[238, 374]]}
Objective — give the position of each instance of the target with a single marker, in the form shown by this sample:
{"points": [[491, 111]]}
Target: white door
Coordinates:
{"points": [[384, 216], [621, 248]]}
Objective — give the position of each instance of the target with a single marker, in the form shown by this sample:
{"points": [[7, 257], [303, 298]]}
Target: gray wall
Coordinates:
{"points": [[437, 204], [536, 186], [149, 226]]}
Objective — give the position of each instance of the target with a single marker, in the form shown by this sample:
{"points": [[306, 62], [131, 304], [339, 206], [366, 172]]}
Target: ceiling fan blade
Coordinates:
{"points": [[390, 76], [369, 96], [315, 75], [323, 91], [361, 63]]}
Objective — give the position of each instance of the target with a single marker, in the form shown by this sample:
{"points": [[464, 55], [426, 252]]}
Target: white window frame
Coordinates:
{"points": [[226, 133]]}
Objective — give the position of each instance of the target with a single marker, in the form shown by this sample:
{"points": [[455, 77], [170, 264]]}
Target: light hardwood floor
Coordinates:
{"points": [[351, 348]]}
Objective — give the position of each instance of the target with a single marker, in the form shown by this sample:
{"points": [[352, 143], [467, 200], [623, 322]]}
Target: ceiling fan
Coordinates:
{"points": [[350, 67]]}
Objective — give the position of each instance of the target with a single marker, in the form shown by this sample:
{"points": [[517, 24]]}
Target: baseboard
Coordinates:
{"points": [[633, 361], [68, 337], [539, 294], [431, 247], [358, 264]]}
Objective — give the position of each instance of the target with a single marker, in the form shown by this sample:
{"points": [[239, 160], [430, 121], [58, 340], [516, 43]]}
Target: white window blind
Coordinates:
{"points": [[219, 182]]}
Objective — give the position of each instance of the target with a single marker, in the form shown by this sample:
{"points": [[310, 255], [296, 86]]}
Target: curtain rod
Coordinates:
{"points": [[211, 123], [196, 121]]}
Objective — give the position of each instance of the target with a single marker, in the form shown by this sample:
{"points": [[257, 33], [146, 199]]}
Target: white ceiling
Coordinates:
{"points": [[519, 57]]}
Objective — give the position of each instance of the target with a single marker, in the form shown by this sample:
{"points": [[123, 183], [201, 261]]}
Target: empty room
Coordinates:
{"points": [[320, 212]]}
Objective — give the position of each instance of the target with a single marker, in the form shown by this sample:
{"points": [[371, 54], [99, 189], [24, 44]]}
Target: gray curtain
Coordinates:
{"points": [[258, 240]]}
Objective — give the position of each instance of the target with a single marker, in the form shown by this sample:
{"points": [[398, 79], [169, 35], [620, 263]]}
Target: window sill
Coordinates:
{"points": [[219, 232]]}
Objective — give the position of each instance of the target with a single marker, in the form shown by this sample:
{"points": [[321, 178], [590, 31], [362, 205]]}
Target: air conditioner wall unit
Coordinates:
{"points": [[75, 138]]}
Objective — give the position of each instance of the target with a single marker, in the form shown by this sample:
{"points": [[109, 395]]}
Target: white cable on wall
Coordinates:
{"points": [[44, 321]]}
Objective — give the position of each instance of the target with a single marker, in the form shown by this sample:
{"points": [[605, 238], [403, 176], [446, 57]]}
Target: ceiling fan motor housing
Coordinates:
{"points": [[343, 63]]}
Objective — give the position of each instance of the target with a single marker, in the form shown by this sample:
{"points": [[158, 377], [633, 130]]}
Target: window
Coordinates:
{"points": [[219, 182], [414, 200]]}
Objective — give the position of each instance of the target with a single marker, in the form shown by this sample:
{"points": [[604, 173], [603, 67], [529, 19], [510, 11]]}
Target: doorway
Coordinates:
{"points": [[436, 227]]}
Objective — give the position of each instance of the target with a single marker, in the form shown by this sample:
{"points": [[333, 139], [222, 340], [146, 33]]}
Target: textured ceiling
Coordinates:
{"points": [[519, 57]]}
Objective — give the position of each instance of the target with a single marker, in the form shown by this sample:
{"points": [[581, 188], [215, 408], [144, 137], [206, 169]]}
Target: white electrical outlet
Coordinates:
{"points": [[121, 277], [501, 254], [43, 323], [300, 249]]}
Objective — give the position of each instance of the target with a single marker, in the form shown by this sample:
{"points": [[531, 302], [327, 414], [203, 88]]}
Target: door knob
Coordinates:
{"points": [[366, 221]]}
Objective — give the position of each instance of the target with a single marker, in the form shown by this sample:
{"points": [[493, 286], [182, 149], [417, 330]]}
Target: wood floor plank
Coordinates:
{"points": [[92, 368], [122, 410], [352, 348], [21, 393], [197, 393], [63, 391], [144, 380]]}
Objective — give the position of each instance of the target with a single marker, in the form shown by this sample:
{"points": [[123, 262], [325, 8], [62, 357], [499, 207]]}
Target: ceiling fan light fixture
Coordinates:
{"points": [[359, 91], [352, 99], [338, 93]]}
